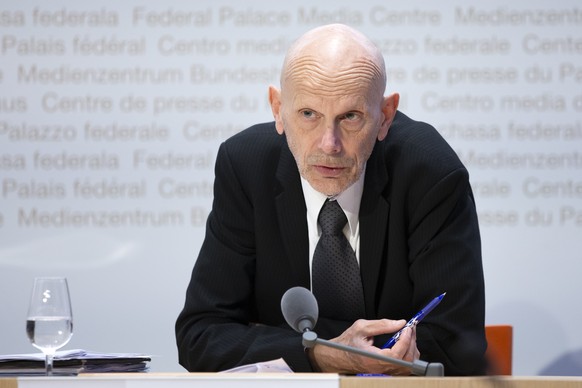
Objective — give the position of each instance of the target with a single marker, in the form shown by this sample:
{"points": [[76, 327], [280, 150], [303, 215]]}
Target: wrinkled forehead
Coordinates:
{"points": [[358, 76]]}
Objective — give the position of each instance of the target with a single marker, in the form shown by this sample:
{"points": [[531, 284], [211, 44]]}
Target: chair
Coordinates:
{"points": [[499, 352]]}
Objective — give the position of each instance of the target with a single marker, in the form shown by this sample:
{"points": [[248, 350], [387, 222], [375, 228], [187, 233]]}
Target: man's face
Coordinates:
{"points": [[332, 131]]}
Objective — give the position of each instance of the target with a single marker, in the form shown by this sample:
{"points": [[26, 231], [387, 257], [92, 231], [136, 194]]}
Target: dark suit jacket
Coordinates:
{"points": [[419, 237]]}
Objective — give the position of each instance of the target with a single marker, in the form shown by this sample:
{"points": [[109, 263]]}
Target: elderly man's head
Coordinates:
{"points": [[331, 105]]}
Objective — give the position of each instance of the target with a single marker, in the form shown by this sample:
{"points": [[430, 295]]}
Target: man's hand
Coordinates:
{"points": [[360, 335]]}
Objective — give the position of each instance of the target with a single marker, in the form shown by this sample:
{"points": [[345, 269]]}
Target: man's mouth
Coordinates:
{"points": [[329, 171]]}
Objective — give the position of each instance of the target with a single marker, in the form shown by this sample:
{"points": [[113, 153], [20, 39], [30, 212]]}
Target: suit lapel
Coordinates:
{"points": [[374, 210], [291, 213]]}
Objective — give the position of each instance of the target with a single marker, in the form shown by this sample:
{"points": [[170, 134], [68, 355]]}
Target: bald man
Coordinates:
{"points": [[411, 223]]}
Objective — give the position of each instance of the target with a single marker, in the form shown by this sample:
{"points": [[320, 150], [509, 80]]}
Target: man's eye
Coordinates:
{"points": [[308, 114], [351, 116]]}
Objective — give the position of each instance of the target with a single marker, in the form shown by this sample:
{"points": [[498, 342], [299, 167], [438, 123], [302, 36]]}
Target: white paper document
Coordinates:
{"points": [[274, 366]]}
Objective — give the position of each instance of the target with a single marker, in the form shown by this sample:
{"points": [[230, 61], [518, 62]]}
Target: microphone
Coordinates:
{"points": [[300, 310]]}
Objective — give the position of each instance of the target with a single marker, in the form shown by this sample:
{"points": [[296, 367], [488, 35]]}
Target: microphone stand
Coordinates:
{"points": [[418, 367]]}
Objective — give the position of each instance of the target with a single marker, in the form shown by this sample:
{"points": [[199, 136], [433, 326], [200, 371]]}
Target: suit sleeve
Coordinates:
{"points": [[217, 328], [445, 256]]}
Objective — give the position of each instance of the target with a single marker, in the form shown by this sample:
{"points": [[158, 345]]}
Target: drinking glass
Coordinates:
{"points": [[49, 324]]}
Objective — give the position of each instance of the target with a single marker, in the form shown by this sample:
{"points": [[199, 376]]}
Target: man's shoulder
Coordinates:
{"points": [[263, 133], [417, 154], [405, 131], [255, 145], [409, 139]]}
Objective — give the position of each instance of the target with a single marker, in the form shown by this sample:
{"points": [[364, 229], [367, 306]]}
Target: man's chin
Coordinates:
{"points": [[328, 186]]}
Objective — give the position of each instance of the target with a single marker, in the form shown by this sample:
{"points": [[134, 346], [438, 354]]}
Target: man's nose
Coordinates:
{"points": [[330, 140]]}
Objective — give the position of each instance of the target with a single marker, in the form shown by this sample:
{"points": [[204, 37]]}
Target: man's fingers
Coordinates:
{"points": [[401, 348], [376, 327]]}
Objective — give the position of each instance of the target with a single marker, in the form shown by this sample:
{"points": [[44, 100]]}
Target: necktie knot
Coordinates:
{"points": [[332, 218]]}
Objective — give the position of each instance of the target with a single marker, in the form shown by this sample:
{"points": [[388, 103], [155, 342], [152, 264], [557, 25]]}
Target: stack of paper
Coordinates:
{"points": [[71, 362]]}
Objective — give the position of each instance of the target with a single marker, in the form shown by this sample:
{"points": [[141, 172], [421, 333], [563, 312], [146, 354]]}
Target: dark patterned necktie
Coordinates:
{"points": [[337, 284]]}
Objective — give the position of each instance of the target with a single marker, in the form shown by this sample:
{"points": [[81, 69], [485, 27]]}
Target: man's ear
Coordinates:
{"points": [[275, 101], [389, 108]]}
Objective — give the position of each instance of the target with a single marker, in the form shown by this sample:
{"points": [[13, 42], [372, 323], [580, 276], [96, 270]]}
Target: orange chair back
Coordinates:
{"points": [[499, 349]]}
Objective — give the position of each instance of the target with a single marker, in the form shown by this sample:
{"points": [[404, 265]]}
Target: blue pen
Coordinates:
{"points": [[417, 318]]}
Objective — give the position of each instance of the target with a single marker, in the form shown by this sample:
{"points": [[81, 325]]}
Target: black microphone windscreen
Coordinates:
{"points": [[299, 308]]}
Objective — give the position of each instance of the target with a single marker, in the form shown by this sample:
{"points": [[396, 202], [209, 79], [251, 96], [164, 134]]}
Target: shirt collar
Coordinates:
{"points": [[349, 200]]}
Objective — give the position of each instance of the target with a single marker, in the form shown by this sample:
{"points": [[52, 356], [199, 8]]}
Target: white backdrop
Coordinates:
{"points": [[111, 114]]}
